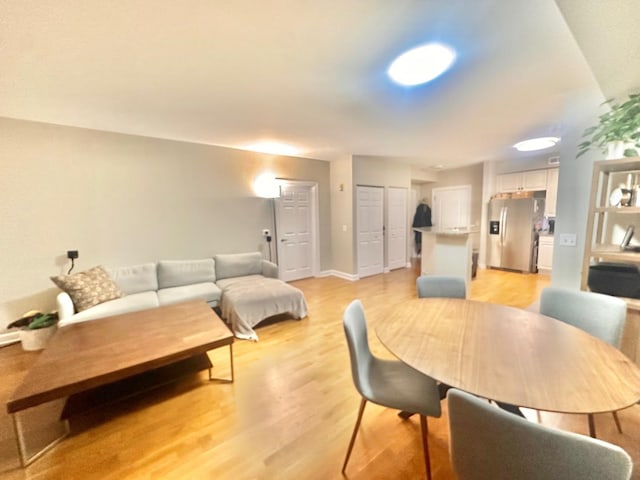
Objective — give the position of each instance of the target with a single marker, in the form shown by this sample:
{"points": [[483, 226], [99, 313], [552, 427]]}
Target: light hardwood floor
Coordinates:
{"points": [[289, 413]]}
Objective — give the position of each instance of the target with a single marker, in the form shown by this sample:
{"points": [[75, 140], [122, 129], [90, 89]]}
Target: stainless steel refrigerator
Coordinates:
{"points": [[513, 233]]}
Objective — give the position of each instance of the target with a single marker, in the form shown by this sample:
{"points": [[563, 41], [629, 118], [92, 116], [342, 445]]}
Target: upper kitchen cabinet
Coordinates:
{"points": [[522, 181], [552, 193]]}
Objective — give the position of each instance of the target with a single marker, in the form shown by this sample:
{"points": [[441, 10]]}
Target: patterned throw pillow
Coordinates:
{"points": [[88, 288]]}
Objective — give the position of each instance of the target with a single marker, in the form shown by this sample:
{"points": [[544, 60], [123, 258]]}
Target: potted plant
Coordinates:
{"points": [[618, 130], [35, 329]]}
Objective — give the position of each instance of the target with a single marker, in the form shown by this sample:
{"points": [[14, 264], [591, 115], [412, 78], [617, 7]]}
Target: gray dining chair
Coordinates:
{"points": [[487, 443], [601, 316], [389, 383], [448, 286]]}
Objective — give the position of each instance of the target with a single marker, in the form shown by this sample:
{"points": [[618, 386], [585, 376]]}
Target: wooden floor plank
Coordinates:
{"points": [[289, 413]]}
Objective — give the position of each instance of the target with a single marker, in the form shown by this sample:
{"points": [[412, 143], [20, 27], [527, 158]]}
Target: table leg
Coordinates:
{"points": [[592, 426], [211, 378], [25, 459]]}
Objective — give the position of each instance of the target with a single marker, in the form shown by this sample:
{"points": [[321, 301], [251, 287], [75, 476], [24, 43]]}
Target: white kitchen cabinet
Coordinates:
{"points": [[552, 193], [534, 180], [522, 181], [545, 253], [510, 182]]}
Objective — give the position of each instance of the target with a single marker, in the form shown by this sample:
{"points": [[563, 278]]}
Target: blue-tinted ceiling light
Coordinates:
{"points": [[421, 64]]}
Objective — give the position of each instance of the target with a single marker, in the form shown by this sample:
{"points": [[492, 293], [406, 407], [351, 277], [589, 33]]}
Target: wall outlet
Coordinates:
{"points": [[266, 232], [567, 240]]}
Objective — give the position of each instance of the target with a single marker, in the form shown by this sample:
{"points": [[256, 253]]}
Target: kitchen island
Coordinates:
{"points": [[447, 252]]}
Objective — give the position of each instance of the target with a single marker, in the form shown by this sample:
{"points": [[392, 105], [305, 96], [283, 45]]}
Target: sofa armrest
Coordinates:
{"points": [[269, 269], [65, 306]]}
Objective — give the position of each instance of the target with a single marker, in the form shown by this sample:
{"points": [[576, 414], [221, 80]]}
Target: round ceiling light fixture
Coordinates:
{"points": [[421, 64], [534, 144]]}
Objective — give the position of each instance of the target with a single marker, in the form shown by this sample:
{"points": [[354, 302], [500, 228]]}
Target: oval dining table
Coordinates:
{"points": [[510, 355]]}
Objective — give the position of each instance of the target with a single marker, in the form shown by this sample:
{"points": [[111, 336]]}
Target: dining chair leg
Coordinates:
{"points": [[424, 427], [363, 403], [617, 420], [592, 426]]}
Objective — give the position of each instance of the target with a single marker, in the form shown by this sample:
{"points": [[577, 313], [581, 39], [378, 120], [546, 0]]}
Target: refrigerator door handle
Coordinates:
{"points": [[502, 224]]}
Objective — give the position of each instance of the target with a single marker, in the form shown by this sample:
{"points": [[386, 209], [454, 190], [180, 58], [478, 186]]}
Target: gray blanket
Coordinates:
{"points": [[246, 301]]}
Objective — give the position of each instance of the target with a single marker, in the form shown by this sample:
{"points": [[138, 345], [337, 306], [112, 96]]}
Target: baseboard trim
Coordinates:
{"points": [[8, 338], [339, 274]]}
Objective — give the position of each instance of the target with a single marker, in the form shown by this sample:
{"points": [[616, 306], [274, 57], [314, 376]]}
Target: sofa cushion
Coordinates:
{"points": [[238, 265], [227, 282], [88, 288], [176, 273], [135, 278], [206, 291], [126, 304]]}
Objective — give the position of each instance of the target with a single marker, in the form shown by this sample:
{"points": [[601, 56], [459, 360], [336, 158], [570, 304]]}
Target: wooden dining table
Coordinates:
{"points": [[510, 355]]}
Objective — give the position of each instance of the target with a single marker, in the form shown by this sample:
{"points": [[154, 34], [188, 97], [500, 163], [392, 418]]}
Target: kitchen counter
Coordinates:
{"points": [[446, 231], [447, 252]]}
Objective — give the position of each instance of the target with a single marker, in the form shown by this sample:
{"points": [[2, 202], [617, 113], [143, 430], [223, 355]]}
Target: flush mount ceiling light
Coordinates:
{"points": [[274, 148], [536, 144], [421, 64]]}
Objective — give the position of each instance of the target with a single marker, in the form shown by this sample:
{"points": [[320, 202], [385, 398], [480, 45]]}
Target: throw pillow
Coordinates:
{"points": [[88, 288]]}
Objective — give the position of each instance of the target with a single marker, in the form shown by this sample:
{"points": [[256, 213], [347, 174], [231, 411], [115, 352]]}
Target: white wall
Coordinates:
{"points": [[574, 184], [122, 199], [342, 246]]}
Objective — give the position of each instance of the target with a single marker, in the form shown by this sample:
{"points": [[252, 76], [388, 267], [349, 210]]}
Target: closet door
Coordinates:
{"points": [[397, 227], [369, 226]]}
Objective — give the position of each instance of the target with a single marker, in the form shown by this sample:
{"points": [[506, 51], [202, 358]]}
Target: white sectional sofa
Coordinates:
{"points": [[254, 291]]}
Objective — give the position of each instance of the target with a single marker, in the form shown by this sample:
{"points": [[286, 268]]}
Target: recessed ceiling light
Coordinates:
{"points": [[421, 64], [536, 144], [274, 148]]}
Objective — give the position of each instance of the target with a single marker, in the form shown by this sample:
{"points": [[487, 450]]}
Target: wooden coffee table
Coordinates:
{"points": [[88, 357]]}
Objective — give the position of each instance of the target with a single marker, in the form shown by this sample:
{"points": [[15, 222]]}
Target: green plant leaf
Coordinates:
{"points": [[42, 320]]}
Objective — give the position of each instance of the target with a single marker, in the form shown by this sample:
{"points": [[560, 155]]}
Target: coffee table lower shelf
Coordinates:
{"points": [[111, 393]]}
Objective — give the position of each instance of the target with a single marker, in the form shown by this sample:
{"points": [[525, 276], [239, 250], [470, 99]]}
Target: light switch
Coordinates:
{"points": [[567, 240]]}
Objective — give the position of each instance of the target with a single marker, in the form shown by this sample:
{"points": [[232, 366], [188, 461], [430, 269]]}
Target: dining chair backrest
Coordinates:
{"points": [[448, 286], [602, 316], [355, 329], [487, 442]]}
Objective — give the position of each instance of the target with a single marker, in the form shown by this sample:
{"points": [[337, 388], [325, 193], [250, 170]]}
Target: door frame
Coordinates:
{"points": [[315, 222]]}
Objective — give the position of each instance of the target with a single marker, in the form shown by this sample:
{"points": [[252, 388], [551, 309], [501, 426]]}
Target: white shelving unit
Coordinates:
{"points": [[606, 226]]}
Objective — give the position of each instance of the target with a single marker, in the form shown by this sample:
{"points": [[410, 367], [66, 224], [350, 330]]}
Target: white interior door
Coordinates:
{"points": [[295, 232], [369, 225], [451, 207], [397, 227]]}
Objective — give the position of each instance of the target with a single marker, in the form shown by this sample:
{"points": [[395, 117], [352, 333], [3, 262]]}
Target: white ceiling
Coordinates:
{"points": [[306, 72]]}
